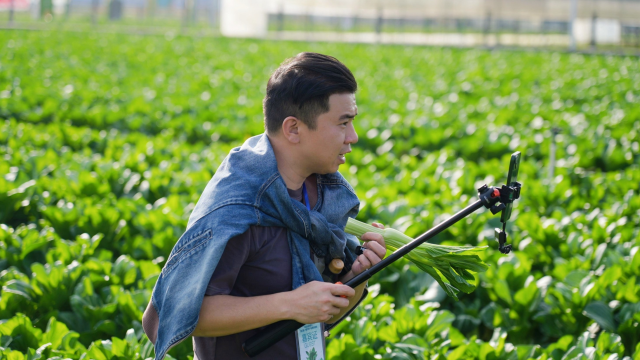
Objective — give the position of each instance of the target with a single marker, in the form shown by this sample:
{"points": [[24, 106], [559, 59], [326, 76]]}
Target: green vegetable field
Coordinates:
{"points": [[107, 141]]}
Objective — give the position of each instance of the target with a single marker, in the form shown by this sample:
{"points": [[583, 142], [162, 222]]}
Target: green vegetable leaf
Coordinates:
{"points": [[600, 313]]}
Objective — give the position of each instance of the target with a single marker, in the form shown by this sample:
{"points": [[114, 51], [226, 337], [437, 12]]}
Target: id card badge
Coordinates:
{"points": [[310, 342]]}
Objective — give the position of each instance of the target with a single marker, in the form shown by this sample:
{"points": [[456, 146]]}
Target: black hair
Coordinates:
{"points": [[301, 87]]}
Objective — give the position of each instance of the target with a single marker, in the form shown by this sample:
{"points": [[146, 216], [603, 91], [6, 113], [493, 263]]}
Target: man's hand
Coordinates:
{"points": [[374, 251], [318, 301]]}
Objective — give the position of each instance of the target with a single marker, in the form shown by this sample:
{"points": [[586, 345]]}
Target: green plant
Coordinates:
{"points": [[107, 141]]}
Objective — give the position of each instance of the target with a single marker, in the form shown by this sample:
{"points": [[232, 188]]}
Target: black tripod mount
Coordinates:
{"points": [[496, 200]]}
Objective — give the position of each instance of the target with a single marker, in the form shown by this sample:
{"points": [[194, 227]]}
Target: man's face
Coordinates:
{"points": [[326, 146]]}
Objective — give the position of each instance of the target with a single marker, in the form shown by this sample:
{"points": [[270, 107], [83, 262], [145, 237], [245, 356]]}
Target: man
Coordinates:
{"points": [[260, 242]]}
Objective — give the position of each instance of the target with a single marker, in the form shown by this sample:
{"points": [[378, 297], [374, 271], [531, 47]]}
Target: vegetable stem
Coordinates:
{"points": [[450, 266]]}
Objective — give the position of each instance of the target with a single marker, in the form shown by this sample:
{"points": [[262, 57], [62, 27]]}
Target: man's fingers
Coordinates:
{"points": [[342, 290], [357, 268], [364, 261], [336, 310], [378, 225], [376, 243], [371, 236], [372, 257], [339, 302], [376, 248]]}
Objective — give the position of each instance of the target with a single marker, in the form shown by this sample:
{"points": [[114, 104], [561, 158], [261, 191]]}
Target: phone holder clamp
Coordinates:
{"points": [[495, 199]]}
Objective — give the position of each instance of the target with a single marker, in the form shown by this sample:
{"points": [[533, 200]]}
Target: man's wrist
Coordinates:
{"points": [[282, 305]]}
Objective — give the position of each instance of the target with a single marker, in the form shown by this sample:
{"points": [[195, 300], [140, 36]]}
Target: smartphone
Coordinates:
{"points": [[514, 166]]}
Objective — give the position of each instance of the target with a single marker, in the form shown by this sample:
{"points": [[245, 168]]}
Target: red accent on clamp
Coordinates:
{"points": [[495, 193]]}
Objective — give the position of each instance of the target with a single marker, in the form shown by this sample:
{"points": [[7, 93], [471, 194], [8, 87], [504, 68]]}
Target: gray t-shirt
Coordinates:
{"points": [[255, 263]]}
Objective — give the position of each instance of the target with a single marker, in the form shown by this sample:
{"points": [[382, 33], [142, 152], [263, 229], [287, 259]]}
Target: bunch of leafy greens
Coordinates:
{"points": [[448, 265]]}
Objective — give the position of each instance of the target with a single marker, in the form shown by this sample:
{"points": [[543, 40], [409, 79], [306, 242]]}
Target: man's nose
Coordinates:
{"points": [[352, 136]]}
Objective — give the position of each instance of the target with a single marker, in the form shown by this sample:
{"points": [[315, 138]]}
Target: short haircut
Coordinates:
{"points": [[301, 87]]}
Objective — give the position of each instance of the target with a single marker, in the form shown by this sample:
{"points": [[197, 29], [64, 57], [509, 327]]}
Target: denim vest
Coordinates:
{"points": [[246, 190]]}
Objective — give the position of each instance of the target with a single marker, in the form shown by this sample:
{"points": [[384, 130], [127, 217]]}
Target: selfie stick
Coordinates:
{"points": [[493, 198]]}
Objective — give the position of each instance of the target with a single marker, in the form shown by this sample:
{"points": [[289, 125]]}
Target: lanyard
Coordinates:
{"points": [[306, 196], [310, 338]]}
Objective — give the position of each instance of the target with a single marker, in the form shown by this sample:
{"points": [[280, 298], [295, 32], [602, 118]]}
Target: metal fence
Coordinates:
{"points": [[609, 24], [159, 13]]}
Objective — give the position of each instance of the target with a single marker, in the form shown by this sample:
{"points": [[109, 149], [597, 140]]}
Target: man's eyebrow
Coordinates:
{"points": [[348, 116]]}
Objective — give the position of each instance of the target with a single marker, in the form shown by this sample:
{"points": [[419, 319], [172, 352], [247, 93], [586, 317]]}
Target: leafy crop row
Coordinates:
{"points": [[106, 142]]}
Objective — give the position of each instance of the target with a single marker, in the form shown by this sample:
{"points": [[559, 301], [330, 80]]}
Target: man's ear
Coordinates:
{"points": [[290, 129]]}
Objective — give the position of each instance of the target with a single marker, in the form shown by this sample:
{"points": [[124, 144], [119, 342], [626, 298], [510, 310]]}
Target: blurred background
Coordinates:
{"points": [[115, 114], [612, 25]]}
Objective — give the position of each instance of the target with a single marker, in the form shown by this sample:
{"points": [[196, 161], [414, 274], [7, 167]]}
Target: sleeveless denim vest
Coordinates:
{"points": [[246, 190]]}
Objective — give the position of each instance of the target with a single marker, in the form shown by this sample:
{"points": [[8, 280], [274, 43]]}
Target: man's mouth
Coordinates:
{"points": [[341, 156]]}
